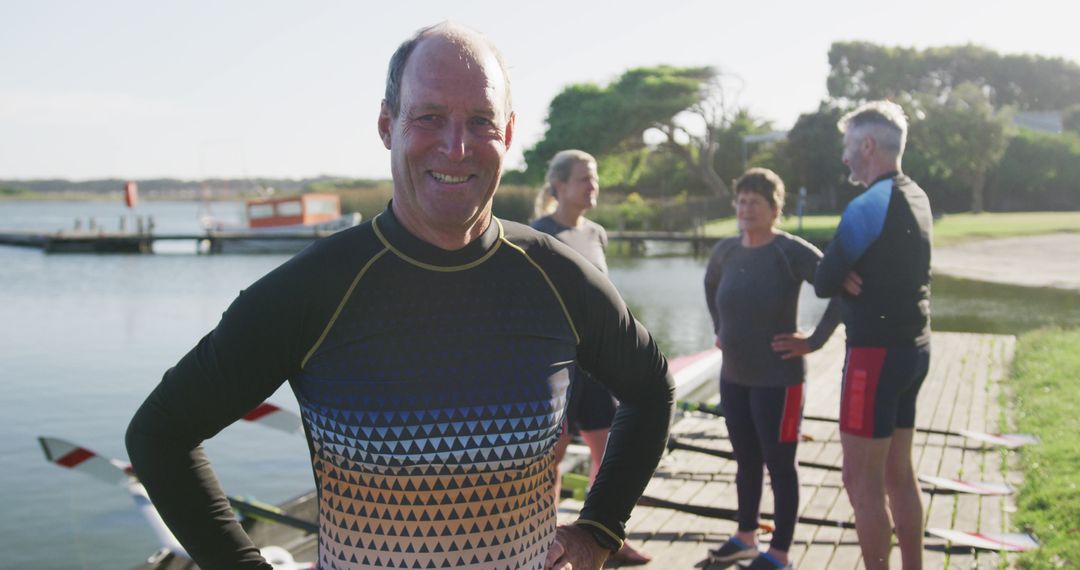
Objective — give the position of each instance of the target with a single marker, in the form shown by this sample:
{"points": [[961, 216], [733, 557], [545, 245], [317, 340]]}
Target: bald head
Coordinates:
{"points": [[470, 43]]}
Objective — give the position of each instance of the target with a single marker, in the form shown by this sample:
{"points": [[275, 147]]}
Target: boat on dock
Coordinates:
{"points": [[278, 225]]}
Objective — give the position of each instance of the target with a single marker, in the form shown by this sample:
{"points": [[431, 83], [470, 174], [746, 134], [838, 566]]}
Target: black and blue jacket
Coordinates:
{"points": [[885, 237]]}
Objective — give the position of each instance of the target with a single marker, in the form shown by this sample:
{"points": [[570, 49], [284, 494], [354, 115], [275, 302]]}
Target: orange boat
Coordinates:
{"points": [[283, 224]]}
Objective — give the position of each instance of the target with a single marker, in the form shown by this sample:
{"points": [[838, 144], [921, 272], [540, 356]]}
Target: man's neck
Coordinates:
{"points": [[881, 168], [449, 239]]}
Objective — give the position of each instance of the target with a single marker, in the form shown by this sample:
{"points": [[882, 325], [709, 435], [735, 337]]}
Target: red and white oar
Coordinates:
{"points": [[116, 472], [1011, 542], [1008, 440], [272, 416], [1004, 541], [969, 487], [940, 483]]}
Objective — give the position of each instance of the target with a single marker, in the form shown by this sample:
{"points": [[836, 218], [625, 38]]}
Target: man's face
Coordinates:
{"points": [[581, 188], [448, 139], [856, 157]]}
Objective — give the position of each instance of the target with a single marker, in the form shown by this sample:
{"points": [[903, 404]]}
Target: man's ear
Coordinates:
{"points": [[869, 145], [510, 129], [386, 121]]}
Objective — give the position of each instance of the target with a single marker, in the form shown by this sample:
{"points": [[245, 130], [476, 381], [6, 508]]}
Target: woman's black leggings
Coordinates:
{"points": [[763, 426]]}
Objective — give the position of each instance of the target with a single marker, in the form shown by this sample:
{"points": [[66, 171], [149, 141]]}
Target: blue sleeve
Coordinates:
{"points": [[859, 227]]}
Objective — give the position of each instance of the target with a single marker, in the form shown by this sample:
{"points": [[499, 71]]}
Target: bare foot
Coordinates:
{"points": [[631, 556]]}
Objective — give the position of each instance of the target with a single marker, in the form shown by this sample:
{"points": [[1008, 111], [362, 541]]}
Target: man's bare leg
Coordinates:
{"points": [[596, 439], [864, 480], [905, 500], [560, 452]]}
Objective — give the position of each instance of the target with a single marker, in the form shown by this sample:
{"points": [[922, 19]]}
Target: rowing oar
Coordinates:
{"points": [[1012, 542], [271, 513], [1009, 440], [941, 484], [731, 514], [674, 444]]}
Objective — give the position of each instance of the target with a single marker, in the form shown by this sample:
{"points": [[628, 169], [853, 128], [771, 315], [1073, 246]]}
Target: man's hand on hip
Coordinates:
{"points": [[575, 549]]}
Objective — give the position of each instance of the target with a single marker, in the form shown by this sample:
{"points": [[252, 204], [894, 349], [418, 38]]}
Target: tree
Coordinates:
{"points": [[1039, 171], [962, 135], [689, 109], [610, 120], [813, 153], [862, 71]]}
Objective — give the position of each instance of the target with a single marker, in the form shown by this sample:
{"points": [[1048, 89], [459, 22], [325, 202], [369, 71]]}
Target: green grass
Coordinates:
{"points": [[815, 228], [956, 228], [1046, 391], [949, 230]]}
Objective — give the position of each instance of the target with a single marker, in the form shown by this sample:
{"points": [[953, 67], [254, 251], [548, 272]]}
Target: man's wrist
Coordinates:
{"points": [[604, 537]]}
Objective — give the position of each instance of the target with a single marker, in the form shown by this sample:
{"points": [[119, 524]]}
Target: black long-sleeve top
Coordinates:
{"points": [[753, 295], [885, 236], [431, 385]]}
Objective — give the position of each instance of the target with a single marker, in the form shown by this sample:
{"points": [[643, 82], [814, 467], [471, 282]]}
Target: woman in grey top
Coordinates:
{"points": [[571, 190], [752, 287]]}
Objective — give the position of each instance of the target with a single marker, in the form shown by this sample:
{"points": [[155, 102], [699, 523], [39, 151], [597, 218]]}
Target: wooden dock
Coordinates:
{"points": [[118, 242], [964, 390]]}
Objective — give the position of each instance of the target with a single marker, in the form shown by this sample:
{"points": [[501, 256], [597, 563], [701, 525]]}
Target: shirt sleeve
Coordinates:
{"points": [[257, 345], [807, 258], [860, 226], [621, 354], [713, 273]]}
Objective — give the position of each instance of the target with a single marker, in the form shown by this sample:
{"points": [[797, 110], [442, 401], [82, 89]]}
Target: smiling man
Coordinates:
{"points": [[430, 350]]}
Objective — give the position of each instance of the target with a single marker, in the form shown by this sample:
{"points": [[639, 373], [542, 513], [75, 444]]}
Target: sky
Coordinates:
{"points": [[274, 88]]}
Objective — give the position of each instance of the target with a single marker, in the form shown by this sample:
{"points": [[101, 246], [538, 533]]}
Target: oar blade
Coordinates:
{"points": [[1009, 440], [71, 456], [273, 416], [969, 487], [1010, 542]]}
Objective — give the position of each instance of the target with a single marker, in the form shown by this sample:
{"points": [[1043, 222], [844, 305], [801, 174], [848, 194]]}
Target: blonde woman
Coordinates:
{"points": [[571, 190]]}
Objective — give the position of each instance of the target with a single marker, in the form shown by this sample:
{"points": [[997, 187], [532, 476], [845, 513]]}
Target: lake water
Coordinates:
{"points": [[84, 338]]}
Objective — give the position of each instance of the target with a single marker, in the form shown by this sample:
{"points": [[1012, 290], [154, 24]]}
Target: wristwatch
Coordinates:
{"points": [[601, 535]]}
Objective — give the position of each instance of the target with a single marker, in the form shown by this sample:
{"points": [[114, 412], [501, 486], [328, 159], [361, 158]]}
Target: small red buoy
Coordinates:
{"points": [[131, 193]]}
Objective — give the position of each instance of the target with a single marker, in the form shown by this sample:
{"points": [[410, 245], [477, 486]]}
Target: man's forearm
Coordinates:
{"points": [[636, 443]]}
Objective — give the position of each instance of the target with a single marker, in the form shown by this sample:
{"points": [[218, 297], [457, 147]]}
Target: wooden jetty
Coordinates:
{"points": [[206, 242], [964, 390]]}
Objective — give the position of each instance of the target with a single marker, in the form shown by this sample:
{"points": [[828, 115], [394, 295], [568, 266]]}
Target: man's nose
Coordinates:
{"points": [[455, 141]]}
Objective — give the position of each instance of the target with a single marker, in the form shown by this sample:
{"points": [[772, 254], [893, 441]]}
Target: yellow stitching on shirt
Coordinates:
{"points": [[558, 297], [341, 306], [430, 267]]}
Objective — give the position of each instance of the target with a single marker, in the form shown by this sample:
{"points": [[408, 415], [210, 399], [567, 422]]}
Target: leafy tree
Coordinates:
{"points": [[611, 120], [862, 71], [813, 154], [1039, 171], [963, 136], [689, 109]]}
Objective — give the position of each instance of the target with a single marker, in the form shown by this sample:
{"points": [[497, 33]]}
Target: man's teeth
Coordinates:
{"points": [[448, 179]]}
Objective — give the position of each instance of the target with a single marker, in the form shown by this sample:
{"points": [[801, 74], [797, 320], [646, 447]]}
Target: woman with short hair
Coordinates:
{"points": [[752, 284]]}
